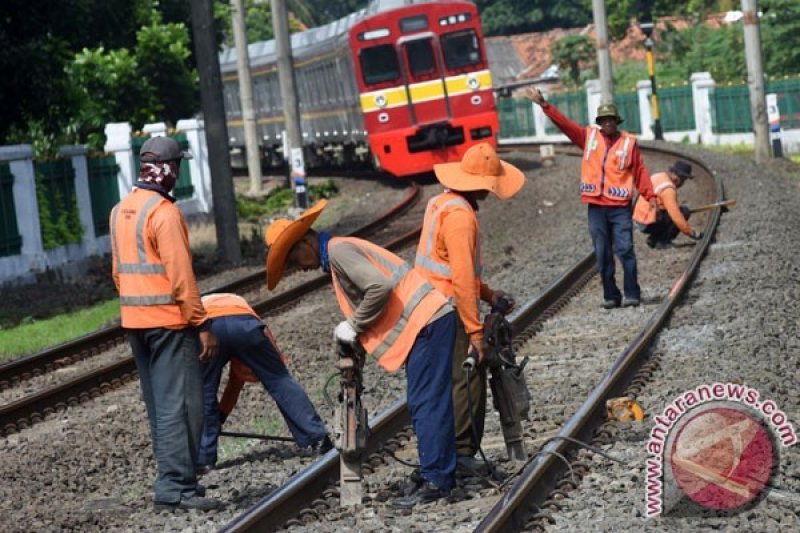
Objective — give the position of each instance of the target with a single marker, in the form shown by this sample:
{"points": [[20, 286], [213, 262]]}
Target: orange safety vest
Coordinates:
{"points": [[605, 173], [226, 304], [643, 212], [145, 292], [433, 266], [411, 305]]}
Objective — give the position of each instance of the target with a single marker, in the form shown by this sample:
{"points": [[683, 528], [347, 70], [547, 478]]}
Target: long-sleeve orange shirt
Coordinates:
{"points": [[577, 134], [668, 198], [168, 236], [455, 241]]}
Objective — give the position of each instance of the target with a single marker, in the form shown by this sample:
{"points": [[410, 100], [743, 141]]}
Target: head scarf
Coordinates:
{"points": [[162, 174]]}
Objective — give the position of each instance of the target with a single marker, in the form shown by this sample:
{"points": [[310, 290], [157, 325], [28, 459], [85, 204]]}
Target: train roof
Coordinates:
{"points": [[314, 41]]}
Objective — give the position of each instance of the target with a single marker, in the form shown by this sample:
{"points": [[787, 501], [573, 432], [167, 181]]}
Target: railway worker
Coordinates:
{"points": [[667, 218], [449, 257], [612, 166], [398, 318], [248, 344], [168, 328]]}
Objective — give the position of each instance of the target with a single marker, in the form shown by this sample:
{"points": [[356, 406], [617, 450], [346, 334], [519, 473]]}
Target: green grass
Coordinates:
{"points": [[36, 335], [795, 158]]}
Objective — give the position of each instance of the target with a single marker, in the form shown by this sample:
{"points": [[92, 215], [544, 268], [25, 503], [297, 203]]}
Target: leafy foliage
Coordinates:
{"points": [[279, 200], [571, 53], [62, 229], [501, 17]]}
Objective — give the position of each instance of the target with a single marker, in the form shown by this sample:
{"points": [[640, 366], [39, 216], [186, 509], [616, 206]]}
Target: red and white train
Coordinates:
{"points": [[403, 84]]}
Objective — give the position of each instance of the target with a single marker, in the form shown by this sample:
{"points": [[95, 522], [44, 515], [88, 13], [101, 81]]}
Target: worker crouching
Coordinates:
{"points": [[664, 220], [398, 318], [247, 342]]}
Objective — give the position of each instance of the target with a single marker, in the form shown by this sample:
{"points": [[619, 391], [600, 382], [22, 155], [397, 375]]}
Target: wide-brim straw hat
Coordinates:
{"points": [[481, 170], [282, 234]]}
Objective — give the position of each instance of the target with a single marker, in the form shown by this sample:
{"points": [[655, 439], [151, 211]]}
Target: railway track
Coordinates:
{"points": [[310, 498], [30, 409]]}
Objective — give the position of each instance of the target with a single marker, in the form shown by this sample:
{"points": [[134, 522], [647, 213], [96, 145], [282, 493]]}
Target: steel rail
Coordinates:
{"points": [[287, 501], [28, 366], [538, 479]]}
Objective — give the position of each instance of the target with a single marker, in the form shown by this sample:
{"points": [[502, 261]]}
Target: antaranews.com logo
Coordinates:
{"points": [[713, 449]]}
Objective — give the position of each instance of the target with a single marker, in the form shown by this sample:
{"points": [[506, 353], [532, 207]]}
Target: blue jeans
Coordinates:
{"points": [[430, 400], [612, 229], [169, 372], [242, 336]]}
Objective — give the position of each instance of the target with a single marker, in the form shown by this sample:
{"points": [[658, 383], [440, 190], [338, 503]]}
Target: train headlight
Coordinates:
{"points": [[380, 100], [473, 83]]}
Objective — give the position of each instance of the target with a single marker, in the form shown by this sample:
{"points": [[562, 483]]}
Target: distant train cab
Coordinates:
{"points": [[424, 83]]}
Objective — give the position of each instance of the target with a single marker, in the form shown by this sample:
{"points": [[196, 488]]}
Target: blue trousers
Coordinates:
{"points": [[430, 399], [612, 230], [664, 230], [243, 336], [169, 372]]}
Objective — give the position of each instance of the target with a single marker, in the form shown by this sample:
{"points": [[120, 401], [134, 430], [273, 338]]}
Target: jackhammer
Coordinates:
{"points": [[350, 422], [509, 390]]}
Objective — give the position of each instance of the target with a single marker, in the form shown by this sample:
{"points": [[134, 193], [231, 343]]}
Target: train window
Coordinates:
{"points": [[420, 57], [461, 49], [379, 64], [415, 23]]}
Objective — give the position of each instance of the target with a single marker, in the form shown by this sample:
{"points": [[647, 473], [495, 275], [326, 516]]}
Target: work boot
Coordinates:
{"points": [[322, 447], [412, 484], [202, 470], [424, 493], [197, 503], [661, 245], [630, 302], [610, 304], [200, 490], [471, 465]]}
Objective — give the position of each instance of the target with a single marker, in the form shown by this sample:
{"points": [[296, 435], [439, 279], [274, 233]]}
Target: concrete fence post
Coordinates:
{"points": [[702, 86], [82, 194], [118, 143], [594, 97], [20, 160], [157, 129], [644, 90], [198, 166]]}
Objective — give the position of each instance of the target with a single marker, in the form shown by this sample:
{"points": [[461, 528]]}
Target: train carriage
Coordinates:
{"points": [[402, 83]]}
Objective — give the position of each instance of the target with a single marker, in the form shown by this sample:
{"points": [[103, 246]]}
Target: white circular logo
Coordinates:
{"points": [[476, 99], [383, 118], [380, 100], [473, 83]]}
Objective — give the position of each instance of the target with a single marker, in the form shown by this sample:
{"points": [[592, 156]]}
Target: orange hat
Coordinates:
{"points": [[481, 170], [282, 234]]}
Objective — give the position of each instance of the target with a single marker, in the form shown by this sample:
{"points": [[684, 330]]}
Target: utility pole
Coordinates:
{"points": [[291, 113], [647, 28], [246, 97], [755, 79], [205, 48], [603, 55]]}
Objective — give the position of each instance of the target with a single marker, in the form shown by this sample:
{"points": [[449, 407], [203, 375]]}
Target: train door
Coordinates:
{"points": [[424, 79]]}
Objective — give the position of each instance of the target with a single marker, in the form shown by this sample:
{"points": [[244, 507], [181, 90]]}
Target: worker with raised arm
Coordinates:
{"points": [[663, 221], [611, 168], [248, 344], [449, 257], [399, 319], [168, 328]]}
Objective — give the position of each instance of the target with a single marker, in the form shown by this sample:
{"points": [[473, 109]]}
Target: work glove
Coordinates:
{"points": [[502, 294], [345, 333], [696, 235]]}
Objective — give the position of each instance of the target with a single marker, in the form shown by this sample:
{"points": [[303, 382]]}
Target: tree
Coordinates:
{"points": [[571, 53], [503, 17], [780, 26]]}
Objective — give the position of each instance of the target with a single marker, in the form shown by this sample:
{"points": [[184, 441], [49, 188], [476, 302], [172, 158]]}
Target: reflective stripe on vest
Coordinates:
{"points": [[425, 259], [410, 306]]}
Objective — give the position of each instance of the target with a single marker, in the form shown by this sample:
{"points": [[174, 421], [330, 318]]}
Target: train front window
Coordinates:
{"points": [[421, 62], [379, 64], [461, 49]]}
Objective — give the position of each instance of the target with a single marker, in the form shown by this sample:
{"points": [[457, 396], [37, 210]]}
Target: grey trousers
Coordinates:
{"points": [[172, 387]]}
